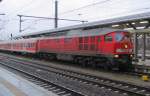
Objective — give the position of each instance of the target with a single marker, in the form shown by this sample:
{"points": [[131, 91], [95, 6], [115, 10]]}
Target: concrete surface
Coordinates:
{"points": [[13, 85], [145, 63]]}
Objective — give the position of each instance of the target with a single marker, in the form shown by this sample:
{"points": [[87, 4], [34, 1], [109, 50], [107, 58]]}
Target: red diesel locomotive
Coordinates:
{"points": [[109, 48]]}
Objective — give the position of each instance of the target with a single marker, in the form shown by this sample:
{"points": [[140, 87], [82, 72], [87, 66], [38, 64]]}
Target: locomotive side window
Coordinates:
{"points": [[99, 39], [80, 40], [56, 40], [67, 40], [92, 47], [108, 38], [85, 46], [93, 39], [80, 46], [85, 39]]}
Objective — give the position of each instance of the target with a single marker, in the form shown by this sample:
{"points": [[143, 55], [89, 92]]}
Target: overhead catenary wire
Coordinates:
{"points": [[38, 18], [89, 5], [121, 13]]}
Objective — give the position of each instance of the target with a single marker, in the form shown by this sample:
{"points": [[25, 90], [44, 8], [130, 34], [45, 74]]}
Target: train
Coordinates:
{"points": [[105, 47]]}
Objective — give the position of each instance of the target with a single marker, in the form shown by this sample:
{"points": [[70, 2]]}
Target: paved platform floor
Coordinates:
{"points": [[146, 62], [13, 85]]}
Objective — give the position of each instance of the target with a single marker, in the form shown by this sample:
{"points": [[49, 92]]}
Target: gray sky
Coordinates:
{"points": [[90, 10]]}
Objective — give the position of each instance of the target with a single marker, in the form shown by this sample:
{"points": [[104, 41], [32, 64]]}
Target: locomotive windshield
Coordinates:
{"points": [[122, 37]]}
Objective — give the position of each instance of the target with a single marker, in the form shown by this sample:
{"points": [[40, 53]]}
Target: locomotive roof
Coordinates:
{"points": [[90, 32], [102, 23], [70, 33], [83, 33]]}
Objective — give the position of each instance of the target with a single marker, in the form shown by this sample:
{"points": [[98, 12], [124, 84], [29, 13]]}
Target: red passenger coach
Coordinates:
{"points": [[25, 45]]}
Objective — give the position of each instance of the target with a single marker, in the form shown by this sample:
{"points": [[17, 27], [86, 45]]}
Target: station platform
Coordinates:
{"points": [[145, 63], [14, 85]]}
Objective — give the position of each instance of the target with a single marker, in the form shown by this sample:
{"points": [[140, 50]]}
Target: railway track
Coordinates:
{"points": [[59, 90], [139, 69], [84, 79]]}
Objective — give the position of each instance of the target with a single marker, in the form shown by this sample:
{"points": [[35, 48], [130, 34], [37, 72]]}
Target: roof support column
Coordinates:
{"points": [[135, 46], [144, 46]]}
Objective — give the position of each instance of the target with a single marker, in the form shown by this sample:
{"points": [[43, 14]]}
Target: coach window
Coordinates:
{"points": [[28, 45], [32, 44], [108, 38]]}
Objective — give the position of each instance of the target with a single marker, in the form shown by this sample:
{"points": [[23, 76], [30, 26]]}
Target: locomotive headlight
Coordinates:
{"points": [[116, 56], [131, 56], [126, 46]]}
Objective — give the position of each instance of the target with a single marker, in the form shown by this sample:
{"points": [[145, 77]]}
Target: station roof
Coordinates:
{"points": [[130, 21]]}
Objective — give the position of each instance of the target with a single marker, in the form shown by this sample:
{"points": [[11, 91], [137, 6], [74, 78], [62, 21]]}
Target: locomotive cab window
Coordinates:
{"points": [[119, 36], [122, 37], [108, 38]]}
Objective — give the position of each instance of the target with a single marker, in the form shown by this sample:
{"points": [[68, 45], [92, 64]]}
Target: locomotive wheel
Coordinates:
{"points": [[92, 62], [76, 60], [84, 61], [52, 57], [107, 66], [93, 65], [79, 60]]}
